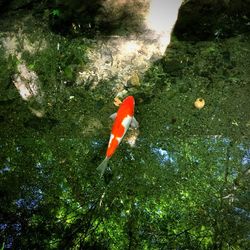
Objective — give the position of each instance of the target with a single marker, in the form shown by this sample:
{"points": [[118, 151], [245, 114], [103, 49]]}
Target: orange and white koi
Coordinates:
{"points": [[122, 120]]}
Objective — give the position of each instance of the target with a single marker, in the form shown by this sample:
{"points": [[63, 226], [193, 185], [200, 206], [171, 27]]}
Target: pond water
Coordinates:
{"points": [[181, 181]]}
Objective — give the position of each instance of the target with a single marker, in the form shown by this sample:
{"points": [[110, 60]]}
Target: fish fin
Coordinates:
{"points": [[101, 168], [134, 123], [113, 116]]}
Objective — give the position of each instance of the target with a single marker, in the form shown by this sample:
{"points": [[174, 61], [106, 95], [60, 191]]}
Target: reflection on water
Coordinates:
{"points": [[163, 155], [246, 158], [242, 212], [198, 177], [31, 202]]}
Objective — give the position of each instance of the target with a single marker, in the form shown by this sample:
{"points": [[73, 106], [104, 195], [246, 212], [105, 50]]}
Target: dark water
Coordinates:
{"points": [[184, 184]]}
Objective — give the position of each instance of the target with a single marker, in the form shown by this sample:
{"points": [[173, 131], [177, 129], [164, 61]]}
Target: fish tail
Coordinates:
{"points": [[101, 168]]}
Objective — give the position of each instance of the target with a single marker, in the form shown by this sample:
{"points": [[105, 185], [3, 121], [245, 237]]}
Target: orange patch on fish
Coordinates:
{"points": [[122, 120]]}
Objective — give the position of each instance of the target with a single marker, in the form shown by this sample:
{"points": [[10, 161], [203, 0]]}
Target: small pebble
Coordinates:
{"points": [[199, 103]]}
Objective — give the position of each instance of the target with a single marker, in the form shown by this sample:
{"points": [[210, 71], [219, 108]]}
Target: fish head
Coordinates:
{"points": [[128, 105]]}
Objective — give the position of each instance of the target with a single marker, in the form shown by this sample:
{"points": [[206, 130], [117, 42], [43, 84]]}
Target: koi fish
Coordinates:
{"points": [[122, 120]]}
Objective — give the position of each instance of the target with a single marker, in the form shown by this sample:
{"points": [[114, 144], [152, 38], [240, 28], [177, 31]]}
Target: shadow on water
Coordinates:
{"points": [[95, 18], [184, 185]]}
